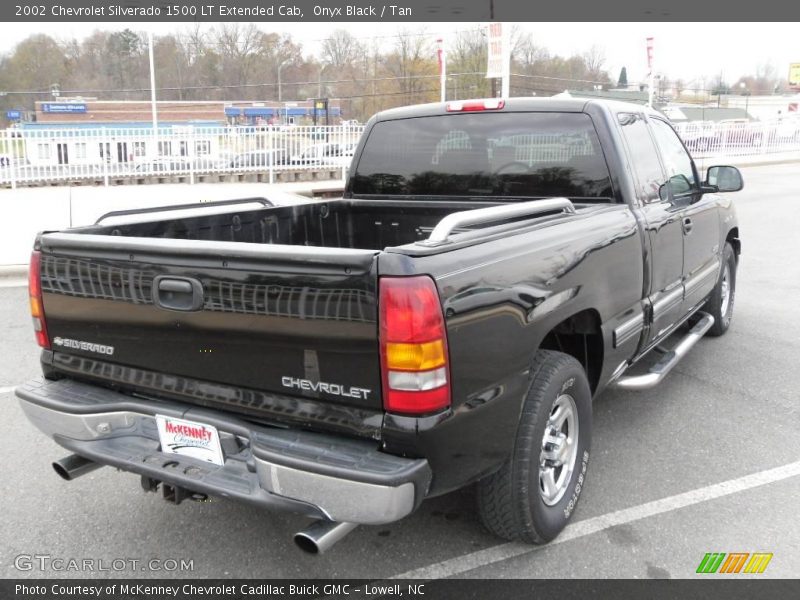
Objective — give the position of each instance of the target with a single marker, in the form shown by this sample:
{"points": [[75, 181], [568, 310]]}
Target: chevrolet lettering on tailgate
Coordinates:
{"points": [[327, 388]]}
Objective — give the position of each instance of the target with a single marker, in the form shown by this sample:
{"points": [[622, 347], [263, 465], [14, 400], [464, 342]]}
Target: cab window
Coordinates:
{"points": [[677, 162], [650, 179]]}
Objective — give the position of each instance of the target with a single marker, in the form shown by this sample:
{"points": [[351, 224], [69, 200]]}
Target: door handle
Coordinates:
{"points": [[177, 293], [687, 225]]}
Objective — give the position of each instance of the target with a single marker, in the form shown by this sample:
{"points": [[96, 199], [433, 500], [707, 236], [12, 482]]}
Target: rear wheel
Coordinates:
{"points": [[533, 495], [720, 304]]}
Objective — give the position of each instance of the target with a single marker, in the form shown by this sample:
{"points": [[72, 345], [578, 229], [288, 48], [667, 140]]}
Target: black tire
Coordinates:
{"points": [[714, 304], [510, 501]]}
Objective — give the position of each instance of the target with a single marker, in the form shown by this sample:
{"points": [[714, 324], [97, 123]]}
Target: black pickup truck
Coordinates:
{"points": [[492, 266]]}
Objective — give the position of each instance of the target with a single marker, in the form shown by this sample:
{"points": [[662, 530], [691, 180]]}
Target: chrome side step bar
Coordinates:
{"points": [[660, 370]]}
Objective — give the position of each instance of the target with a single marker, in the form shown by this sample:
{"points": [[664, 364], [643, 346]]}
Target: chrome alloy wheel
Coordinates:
{"points": [[559, 450], [725, 291]]}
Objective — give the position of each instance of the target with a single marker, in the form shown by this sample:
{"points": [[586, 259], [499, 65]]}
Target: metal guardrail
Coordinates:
{"points": [[32, 156]]}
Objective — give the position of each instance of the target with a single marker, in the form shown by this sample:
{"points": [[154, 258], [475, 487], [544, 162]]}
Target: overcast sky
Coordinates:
{"points": [[686, 50]]}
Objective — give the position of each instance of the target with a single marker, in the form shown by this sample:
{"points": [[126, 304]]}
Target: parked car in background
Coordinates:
{"points": [[343, 158], [787, 129], [260, 158], [731, 133], [317, 154], [211, 163], [158, 165]]}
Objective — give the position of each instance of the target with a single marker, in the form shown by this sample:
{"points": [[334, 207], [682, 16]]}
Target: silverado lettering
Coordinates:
{"points": [[81, 345]]}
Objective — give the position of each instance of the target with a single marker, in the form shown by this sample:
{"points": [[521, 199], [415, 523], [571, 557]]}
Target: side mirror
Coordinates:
{"points": [[724, 178]]}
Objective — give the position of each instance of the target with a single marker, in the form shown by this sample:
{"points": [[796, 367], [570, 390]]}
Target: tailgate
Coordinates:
{"points": [[295, 321]]}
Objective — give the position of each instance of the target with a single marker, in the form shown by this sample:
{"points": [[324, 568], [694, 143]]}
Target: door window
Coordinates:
{"points": [[677, 161], [649, 175]]}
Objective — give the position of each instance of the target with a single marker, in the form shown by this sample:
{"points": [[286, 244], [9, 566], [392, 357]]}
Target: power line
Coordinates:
{"points": [[314, 82]]}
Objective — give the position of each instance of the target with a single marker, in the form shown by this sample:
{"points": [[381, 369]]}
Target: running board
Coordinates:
{"points": [[660, 370]]}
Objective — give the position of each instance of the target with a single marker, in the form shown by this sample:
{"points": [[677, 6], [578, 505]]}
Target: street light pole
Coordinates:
{"points": [[280, 68], [153, 93], [746, 95]]}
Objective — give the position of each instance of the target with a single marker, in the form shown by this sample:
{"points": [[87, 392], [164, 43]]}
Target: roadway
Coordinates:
{"points": [[707, 462]]}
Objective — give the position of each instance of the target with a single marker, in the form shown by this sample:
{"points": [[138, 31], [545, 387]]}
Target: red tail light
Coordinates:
{"points": [[475, 105], [35, 298], [416, 378]]}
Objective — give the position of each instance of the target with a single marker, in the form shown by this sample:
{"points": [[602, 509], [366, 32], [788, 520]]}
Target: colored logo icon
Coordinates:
{"points": [[734, 562]]}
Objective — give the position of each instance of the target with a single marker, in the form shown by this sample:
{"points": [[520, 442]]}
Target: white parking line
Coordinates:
{"points": [[481, 558], [7, 389]]}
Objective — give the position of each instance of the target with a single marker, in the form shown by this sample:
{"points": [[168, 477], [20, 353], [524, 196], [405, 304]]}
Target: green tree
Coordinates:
{"points": [[36, 63], [622, 81], [125, 59]]}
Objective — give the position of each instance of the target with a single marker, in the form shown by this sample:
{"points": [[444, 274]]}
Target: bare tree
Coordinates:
{"points": [[239, 47], [467, 57], [412, 63], [595, 60], [341, 49]]}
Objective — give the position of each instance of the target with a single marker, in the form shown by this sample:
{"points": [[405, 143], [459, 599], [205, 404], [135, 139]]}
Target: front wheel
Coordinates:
{"points": [[720, 304], [533, 495]]}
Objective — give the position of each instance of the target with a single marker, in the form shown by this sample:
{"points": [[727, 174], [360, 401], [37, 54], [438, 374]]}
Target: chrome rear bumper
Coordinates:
{"points": [[318, 475]]}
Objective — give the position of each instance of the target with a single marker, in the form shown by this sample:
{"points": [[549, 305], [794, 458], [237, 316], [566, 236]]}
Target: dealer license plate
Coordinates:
{"points": [[188, 438]]}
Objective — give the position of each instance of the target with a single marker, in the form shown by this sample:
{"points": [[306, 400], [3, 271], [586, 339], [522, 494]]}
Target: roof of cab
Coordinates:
{"points": [[553, 104]]}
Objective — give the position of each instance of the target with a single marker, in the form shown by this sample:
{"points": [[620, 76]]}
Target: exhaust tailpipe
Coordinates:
{"points": [[321, 535], [73, 466]]}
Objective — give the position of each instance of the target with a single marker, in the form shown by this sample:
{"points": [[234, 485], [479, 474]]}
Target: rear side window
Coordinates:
{"points": [[507, 155], [644, 158]]}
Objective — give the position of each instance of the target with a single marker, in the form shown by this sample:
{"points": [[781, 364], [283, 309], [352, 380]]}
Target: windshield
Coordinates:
{"points": [[510, 155]]}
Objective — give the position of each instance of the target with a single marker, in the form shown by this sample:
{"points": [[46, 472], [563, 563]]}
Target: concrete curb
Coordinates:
{"points": [[747, 161], [13, 276], [11, 271]]}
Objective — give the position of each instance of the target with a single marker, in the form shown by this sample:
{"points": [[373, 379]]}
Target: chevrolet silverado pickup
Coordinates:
{"points": [[491, 267]]}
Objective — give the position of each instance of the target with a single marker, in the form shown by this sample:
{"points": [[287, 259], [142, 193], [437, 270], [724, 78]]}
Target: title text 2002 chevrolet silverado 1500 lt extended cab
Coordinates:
{"points": [[492, 267]]}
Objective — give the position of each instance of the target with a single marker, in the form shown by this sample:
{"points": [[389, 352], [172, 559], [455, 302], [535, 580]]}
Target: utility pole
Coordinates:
{"points": [[505, 87], [652, 72]]}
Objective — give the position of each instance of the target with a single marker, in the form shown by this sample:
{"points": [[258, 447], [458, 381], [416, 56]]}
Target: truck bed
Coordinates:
{"points": [[333, 224], [270, 312]]}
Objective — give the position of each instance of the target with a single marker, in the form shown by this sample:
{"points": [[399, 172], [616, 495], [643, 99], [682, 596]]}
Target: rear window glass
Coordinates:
{"points": [[510, 155]]}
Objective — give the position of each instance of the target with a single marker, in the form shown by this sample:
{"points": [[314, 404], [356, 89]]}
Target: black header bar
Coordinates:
{"points": [[181, 11]]}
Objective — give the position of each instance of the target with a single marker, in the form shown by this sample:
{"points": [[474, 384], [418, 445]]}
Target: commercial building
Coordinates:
{"points": [[207, 112], [87, 131]]}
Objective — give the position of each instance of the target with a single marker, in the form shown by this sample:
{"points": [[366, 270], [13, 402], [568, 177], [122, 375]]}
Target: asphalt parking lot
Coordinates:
{"points": [[707, 462]]}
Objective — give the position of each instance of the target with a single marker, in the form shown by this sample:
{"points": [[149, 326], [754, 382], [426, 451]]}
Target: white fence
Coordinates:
{"points": [[706, 139], [107, 154], [189, 153]]}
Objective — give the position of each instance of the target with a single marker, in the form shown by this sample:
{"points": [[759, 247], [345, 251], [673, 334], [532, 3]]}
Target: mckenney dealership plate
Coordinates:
{"points": [[188, 438]]}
